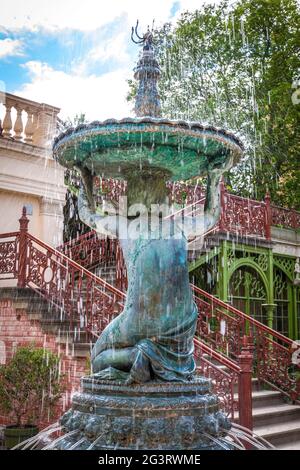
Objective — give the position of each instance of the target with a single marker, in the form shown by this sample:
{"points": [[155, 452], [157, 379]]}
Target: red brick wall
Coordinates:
{"points": [[16, 329]]}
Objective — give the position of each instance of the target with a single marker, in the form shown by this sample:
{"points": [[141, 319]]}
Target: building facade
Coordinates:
{"points": [[28, 174]]}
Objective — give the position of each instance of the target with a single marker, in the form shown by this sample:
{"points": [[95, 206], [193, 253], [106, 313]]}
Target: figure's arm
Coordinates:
{"points": [[87, 211], [86, 214], [199, 225], [212, 207]]}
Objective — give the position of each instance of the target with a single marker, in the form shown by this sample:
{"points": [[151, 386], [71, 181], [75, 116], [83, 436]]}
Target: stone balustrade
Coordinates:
{"points": [[27, 121]]}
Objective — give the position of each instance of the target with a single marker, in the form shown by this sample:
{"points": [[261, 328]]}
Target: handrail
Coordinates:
{"points": [[243, 315], [217, 356], [9, 234], [78, 267], [75, 240]]}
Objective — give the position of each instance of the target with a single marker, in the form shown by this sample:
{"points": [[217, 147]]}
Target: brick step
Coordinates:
{"points": [[56, 326], [71, 337]]}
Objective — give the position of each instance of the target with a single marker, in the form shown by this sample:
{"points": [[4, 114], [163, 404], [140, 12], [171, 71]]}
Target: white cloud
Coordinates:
{"points": [[78, 14], [10, 47], [107, 49], [77, 90], [99, 97], [111, 49], [89, 14]]}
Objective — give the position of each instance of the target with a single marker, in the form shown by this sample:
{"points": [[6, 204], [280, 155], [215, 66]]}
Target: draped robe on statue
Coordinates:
{"points": [[159, 317]]}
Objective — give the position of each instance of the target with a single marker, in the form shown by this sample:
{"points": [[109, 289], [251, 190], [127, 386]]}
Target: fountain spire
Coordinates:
{"points": [[147, 73]]}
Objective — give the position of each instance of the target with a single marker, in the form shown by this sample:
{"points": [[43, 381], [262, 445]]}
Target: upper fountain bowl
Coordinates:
{"points": [[181, 150]]}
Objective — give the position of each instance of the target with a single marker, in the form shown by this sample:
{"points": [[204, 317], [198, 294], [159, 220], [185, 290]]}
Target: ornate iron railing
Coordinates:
{"points": [[223, 327], [87, 301], [225, 381], [9, 250], [243, 216], [89, 249], [286, 218], [239, 215]]}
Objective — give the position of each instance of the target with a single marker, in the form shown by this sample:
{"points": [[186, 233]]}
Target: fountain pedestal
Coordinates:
{"points": [[153, 415]]}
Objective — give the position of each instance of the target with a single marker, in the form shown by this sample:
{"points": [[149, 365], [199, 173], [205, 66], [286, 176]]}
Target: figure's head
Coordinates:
{"points": [[147, 186]]}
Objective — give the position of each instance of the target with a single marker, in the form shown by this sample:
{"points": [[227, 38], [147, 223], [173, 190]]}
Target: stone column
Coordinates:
{"points": [[46, 118], [51, 213]]}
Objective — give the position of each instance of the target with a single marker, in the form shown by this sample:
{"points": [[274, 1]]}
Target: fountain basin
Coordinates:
{"points": [[148, 416], [180, 149]]}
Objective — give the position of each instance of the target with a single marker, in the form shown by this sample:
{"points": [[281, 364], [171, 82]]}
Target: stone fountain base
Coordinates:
{"points": [[154, 415]]}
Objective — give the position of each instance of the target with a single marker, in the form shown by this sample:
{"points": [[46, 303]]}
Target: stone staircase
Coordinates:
{"points": [[274, 417]]}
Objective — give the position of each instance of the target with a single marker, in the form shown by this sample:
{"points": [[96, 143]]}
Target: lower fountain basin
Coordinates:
{"points": [[163, 416]]}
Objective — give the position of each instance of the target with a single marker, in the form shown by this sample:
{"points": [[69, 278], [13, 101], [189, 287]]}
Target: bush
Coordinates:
{"points": [[30, 385]]}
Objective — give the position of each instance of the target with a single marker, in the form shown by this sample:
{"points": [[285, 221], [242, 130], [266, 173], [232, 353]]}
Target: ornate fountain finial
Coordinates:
{"points": [[147, 72]]}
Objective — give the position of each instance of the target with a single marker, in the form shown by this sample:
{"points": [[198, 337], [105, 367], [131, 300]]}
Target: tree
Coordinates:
{"points": [[30, 385], [73, 227], [234, 66]]}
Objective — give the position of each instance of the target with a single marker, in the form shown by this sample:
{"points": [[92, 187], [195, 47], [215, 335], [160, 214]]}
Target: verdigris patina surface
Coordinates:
{"points": [[147, 416], [143, 385]]}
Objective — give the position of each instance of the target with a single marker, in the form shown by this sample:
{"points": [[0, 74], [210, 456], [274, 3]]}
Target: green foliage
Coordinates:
{"points": [[30, 385], [73, 122], [234, 66], [72, 223]]}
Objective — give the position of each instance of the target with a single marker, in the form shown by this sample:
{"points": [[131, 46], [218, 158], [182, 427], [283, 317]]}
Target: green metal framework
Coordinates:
{"points": [[254, 280]]}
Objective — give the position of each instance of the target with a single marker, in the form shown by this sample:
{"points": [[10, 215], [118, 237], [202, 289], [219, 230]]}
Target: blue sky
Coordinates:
{"points": [[76, 54]]}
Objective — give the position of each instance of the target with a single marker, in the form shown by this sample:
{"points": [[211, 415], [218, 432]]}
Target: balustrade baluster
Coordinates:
{"points": [[29, 129], [7, 122], [18, 127]]}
